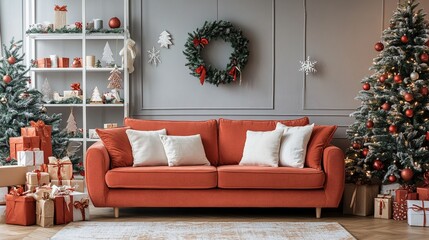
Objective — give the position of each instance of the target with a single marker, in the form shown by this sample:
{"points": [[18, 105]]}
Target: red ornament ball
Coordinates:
{"points": [[82, 173], [365, 152], [114, 22], [366, 86], [404, 39], [378, 165], [407, 174], [385, 106], [393, 129], [397, 78], [11, 60], [379, 47], [424, 91], [408, 97], [356, 145], [409, 113], [427, 136], [7, 79], [370, 124], [383, 78], [392, 178], [424, 57]]}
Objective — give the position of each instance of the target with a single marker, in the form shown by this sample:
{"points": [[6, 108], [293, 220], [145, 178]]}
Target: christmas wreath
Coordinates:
{"points": [[201, 37]]}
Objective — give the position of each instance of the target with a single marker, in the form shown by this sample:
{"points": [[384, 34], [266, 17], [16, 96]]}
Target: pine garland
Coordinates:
{"points": [[201, 37]]}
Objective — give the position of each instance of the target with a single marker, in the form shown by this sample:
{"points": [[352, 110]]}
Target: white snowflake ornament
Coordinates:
{"points": [[154, 56], [308, 66], [164, 39]]}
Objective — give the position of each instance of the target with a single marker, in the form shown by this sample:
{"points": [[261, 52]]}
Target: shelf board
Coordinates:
{"points": [[102, 69], [76, 139], [93, 139], [105, 105], [63, 105], [56, 69], [75, 36], [104, 36]]}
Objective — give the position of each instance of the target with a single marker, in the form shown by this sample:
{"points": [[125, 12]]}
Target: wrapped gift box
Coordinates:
{"points": [[80, 206], [2, 214], [402, 195], [423, 193], [72, 93], [30, 158], [110, 125], [390, 189], [44, 132], [63, 209], [31, 188], [20, 210], [60, 16], [63, 62], [44, 63], [14, 175], [418, 213], [359, 199], [3, 193], [399, 211], [45, 212], [77, 184], [37, 178], [22, 143], [383, 206], [60, 169]]}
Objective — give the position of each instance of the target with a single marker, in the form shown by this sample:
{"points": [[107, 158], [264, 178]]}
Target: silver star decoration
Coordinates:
{"points": [[308, 66], [154, 56]]}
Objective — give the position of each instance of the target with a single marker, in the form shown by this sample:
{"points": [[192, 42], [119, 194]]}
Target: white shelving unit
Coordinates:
{"points": [[84, 38]]}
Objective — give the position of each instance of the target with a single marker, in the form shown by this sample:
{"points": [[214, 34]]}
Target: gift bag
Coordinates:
{"points": [[359, 199], [22, 143], [399, 211], [60, 17], [45, 212], [30, 157], [60, 169], [20, 209], [418, 213], [383, 206], [42, 131]]}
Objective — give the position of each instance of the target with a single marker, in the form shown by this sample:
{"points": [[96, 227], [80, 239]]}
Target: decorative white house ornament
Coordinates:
{"points": [[154, 56], [308, 66], [164, 39]]}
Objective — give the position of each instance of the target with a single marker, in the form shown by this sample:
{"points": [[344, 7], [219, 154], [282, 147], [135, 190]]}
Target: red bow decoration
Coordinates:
{"points": [[60, 8], [78, 25], [233, 72], [81, 205], [39, 175], [202, 71], [75, 86], [200, 42], [17, 191], [38, 124], [40, 127], [417, 208]]}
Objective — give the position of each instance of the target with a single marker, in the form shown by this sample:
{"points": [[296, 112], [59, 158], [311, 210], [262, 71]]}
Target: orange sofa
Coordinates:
{"points": [[113, 182]]}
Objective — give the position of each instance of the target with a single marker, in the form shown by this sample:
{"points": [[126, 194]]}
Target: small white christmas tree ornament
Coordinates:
{"points": [[107, 55], [115, 83], [71, 127], [154, 56], [47, 91], [96, 97], [164, 39]]}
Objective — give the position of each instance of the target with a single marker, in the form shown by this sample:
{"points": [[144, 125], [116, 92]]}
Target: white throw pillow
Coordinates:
{"points": [[262, 148], [184, 150], [293, 147], [147, 148]]}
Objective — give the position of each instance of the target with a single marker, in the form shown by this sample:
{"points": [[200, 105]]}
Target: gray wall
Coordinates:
{"points": [[339, 34]]}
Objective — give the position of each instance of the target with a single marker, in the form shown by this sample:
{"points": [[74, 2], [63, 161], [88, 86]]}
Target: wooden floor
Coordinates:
{"points": [[360, 227]]}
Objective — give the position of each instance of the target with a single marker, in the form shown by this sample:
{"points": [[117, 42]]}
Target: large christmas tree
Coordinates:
{"points": [[390, 136], [20, 104]]}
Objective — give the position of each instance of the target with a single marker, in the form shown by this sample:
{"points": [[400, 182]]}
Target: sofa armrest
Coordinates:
{"points": [[333, 165], [97, 163]]}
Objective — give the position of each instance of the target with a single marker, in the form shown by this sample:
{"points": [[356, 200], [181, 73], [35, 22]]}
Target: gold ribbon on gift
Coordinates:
{"points": [[81, 205], [60, 8], [417, 208]]}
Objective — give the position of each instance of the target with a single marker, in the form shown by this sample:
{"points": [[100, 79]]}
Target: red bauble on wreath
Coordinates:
{"points": [[383, 78], [392, 178], [393, 129], [397, 78], [365, 152], [408, 97], [409, 113], [369, 124], [366, 86], [11, 60], [379, 47], [404, 39], [114, 22], [7, 79], [424, 57], [385, 106], [407, 174], [378, 165]]}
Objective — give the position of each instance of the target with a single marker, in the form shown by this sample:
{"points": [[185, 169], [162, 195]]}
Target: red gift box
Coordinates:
{"points": [[63, 62], [44, 63], [423, 193], [400, 211], [42, 131], [402, 195], [21, 144], [63, 209], [20, 210]]}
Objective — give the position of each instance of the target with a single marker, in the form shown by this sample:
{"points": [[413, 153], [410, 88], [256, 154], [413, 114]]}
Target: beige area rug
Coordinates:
{"points": [[203, 230]]}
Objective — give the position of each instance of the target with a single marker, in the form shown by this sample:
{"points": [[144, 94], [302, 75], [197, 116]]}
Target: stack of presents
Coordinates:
{"points": [[392, 202], [41, 189]]}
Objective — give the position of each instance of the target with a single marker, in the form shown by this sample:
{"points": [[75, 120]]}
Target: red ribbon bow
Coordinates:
{"points": [[38, 124], [60, 8], [17, 191], [417, 208], [39, 175], [75, 86], [202, 71], [81, 205], [233, 72], [200, 42], [78, 25], [380, 207]]}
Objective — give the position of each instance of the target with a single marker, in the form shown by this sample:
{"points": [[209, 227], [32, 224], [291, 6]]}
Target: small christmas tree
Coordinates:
{"points": [[115, 80], [47, 91], [107, 55], [71, 124], [390, 137], [96, 98], [164, 39]]}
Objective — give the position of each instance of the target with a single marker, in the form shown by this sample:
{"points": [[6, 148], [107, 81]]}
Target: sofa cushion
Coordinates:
{"points": [[254, 177], [118, 146], [163, 177], [320, 138], [207, 130], [232, 135]]}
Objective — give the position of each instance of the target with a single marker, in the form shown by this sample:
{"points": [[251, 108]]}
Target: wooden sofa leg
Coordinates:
{"points": [[318, 212], [116, 210]]}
